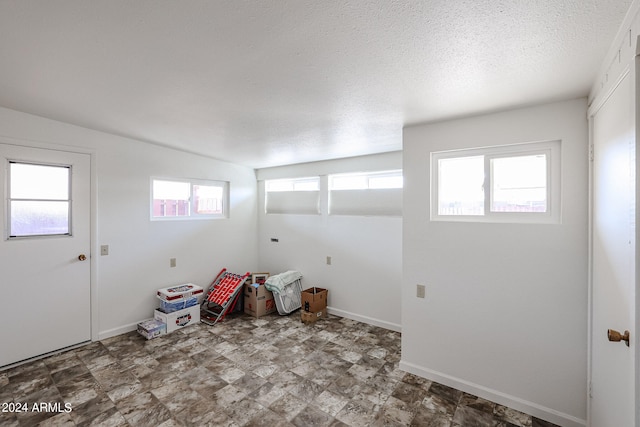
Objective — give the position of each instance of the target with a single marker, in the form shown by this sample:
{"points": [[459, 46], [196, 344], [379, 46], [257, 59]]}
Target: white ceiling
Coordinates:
{"points": [[266, 83]]}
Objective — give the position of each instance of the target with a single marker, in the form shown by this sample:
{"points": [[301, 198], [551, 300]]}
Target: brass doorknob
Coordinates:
{"points": [[82, 257], [616, 336]]}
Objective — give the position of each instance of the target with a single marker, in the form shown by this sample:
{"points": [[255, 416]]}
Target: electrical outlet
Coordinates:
{"points": [[328, 260], [172, 262], [420, 291], [104, 250]]}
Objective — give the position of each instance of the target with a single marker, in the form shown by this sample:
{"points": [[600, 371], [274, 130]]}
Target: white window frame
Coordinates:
{"points": [[10, 199], [192, 214], [551, 149]]}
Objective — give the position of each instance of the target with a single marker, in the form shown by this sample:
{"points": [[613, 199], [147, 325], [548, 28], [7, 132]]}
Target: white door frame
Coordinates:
{"points": [[93, 212], [635, 339]]}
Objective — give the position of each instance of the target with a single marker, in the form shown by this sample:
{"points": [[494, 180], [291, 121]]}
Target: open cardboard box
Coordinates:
{"points": [[314, 299]]}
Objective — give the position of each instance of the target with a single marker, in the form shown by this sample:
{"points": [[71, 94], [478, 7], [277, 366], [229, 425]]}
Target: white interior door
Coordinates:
{"points": [[44, 280], [612, 401]]}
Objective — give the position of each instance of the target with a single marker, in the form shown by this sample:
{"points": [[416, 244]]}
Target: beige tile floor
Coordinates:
{"points": [[272, 371]]}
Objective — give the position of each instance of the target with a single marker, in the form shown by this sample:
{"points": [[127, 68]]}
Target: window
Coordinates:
{"points": [[369, 180], [294, 184], [368, 194], [516, 183], [39, 202], [177, 199], [293, 196]]}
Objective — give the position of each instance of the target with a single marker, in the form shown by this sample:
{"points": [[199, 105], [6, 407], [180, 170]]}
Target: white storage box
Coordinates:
{"points": [[179, 319], [180, 292]]}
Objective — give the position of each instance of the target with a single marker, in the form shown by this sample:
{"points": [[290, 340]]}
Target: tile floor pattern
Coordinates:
{"points": [[272, 371]]}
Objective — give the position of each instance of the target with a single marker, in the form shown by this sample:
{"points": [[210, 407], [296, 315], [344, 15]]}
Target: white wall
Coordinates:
{"points": [[505, 311], [125, 281], [364, 278]]}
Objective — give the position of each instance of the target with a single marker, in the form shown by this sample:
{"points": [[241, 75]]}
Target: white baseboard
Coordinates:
{"points": [[118, 331], [341, 313], [365, 319], [513, 402]]}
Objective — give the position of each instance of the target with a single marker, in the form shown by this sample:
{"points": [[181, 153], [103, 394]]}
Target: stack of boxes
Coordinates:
{"points": [[179, 307], [314, 304]]}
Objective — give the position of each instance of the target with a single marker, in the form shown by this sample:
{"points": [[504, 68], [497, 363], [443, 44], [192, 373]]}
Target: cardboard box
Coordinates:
{"points": [[180, 292], [258, 301], [178, 319], [309, 317], [314, 299], [152, 328]]}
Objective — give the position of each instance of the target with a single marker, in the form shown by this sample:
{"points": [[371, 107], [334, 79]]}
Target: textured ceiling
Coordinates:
{"points": [[265, 83]]}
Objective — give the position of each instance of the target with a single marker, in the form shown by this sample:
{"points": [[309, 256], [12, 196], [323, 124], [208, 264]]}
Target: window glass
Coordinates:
{"points": [[349, 182], [171, 198], [188, 199], [519, 184], [293, 184], [366, 180], [39, 218], [39, 202], [44, 182], [511, 183], [391, 181], [208, 199], [461, 186]]}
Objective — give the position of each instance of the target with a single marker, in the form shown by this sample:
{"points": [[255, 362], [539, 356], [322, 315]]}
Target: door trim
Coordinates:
{"points": [[636, 338], [591, 112]]}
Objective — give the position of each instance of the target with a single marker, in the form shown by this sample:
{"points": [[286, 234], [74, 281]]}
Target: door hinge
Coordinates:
{"points": [[591, 153], [590, 390]]}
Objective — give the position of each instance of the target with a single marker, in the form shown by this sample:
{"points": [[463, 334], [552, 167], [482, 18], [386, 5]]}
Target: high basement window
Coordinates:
{"points": [[293, 196], [188, 199], [376, 193], [515, 183]]}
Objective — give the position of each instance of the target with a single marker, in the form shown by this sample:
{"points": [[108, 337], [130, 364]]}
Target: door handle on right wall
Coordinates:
{"points": [[616, 336]]}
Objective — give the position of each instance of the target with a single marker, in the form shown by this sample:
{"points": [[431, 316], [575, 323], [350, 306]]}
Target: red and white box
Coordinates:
{"points": [[180, 292], [179, 319]]}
